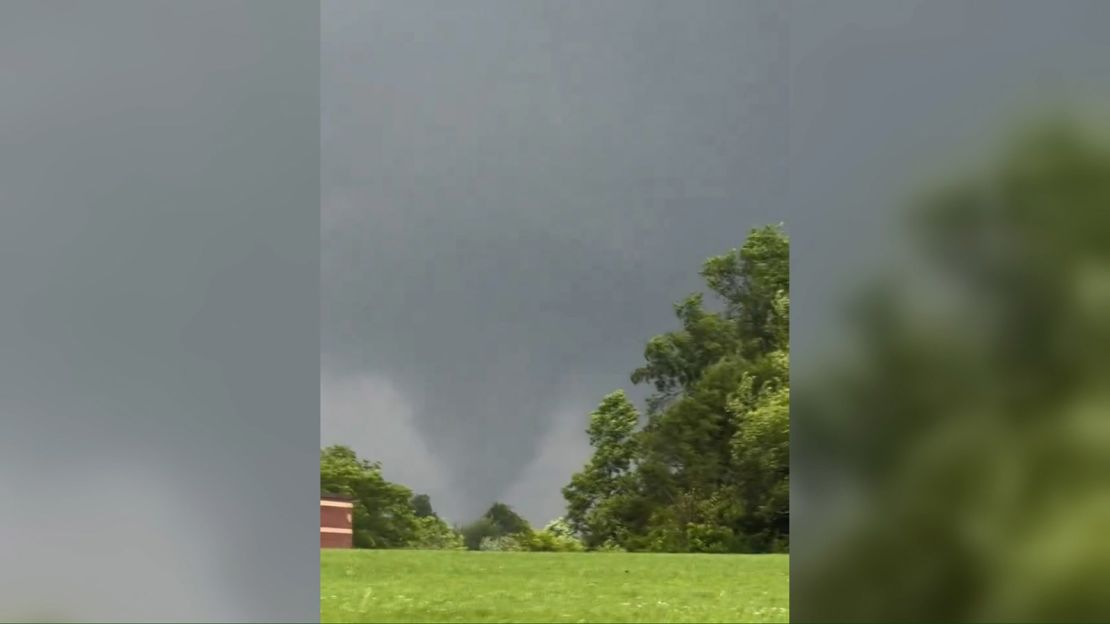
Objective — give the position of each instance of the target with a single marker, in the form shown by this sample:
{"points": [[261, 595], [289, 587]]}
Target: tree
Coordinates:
{"points": [[422, 506], [753, 281], [474, 533], [505, 520], [699, 461], [594, 495], [383, 516], [676, 360], [499, 521], [761, 452], [708, 471]]}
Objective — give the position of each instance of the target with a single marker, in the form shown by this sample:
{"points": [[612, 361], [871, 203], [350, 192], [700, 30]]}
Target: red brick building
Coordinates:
{"points": [[336, 522]]}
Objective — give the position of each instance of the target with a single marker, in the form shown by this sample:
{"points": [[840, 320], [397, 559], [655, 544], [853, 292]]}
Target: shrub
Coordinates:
{"points": [[560, 528], [504, 543], [546, 541], [610, 546], [433, 533]]}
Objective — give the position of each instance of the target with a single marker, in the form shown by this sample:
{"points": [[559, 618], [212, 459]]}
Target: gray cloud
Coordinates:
{"points": [[369, 414], [515, 193]]}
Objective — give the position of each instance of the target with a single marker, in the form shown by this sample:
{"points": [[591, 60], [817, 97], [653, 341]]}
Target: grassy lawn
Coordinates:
{"points": [[449, 586]]}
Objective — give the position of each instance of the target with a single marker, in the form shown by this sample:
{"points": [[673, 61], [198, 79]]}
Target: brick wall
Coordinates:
{"points": [[336, 526], [335, 540], [335, 517]]}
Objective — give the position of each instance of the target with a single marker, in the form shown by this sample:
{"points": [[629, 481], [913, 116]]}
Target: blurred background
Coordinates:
{"points": [[159, 312], [950, 210]]}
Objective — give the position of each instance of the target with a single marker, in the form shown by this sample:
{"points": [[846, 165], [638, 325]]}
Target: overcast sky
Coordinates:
{"points": [[514, 193]]}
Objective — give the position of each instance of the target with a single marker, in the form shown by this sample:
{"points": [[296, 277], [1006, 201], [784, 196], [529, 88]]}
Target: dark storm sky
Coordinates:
{"points": [[514, 195], [515, 192]]}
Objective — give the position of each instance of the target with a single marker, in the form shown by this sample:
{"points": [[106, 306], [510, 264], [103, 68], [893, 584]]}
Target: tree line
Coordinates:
{"points": [[390, 515], [705, 468]]}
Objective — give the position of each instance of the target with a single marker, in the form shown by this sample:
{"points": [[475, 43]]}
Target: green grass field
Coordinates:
{"points": [[450, 586]]}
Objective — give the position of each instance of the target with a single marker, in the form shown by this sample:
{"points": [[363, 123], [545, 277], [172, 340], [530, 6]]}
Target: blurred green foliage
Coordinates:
{"points": [[971, 426]]}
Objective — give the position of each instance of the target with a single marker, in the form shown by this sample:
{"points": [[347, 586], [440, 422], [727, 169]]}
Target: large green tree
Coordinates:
{"points": [[383, 515], [598, 497], [709, 470]]}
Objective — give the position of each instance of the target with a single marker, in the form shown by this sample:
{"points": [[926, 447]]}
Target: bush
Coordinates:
{"points": [[560, 528], [433, 533], [551, 539], [610, 546], [557, 536], [546, 541], [504, 543]]}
